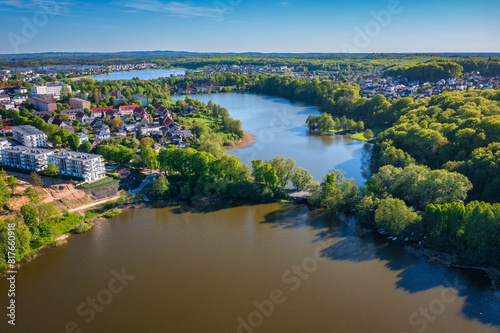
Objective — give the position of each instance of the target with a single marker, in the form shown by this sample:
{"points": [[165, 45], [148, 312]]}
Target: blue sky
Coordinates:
{"points": [[250, 25]]}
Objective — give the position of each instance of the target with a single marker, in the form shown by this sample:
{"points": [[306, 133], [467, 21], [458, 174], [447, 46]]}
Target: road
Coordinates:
{"points": [[148, 180]]}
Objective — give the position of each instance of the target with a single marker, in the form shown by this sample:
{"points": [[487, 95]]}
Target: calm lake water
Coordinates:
{"points": [[265, 268], [147, 74], [218, 270], [280, 129]]}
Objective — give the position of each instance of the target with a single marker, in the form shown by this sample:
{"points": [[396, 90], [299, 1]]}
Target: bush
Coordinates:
{"points": [[81, 228], [112, 213]]}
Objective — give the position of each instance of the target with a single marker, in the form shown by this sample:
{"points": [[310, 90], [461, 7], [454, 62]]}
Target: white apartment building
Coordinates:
{"points": [[90, 167], [26, 158], [30, 136], [49, 90]]}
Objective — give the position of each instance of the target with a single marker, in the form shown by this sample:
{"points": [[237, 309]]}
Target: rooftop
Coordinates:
{"points": [[28, 130]]}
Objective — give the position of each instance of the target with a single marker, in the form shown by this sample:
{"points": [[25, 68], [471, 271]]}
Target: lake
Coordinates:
{"points": [[147, 74], [280, 128], [262, 268], [253, 268]]}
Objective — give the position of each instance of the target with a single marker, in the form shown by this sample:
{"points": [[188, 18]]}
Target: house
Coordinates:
{"points": [[115, 93], [89, 167], [141, 114], [143, 99], [130, 127], [120, 133], [111, 114], [172, 128], [99, 112], [82, 138], [6, 130], [103, 135], [71, 113], [19, 99], [82, 117], [124, 110], [30, 136], [48, 118], [4, 98], [119, 101]]}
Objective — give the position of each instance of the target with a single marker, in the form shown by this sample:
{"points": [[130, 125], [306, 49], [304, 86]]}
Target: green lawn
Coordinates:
{"points": [[359, 137]]}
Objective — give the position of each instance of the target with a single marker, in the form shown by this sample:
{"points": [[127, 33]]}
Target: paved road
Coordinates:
{"points": [[148, 180]]}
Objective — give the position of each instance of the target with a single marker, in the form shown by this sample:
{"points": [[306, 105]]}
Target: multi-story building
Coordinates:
{"points": [[42, 104], [54, 90], [30, 136], [27, 158], [143, 99], [89, 167], [78, 103], [4, 143]]}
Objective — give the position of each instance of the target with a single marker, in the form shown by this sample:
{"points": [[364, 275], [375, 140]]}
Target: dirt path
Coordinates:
{"points": [[94, 204]]}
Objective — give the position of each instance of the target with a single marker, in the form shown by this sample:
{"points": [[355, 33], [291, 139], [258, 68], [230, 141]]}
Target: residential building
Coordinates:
{"points": [[115, 93], [6, 130], [141, 114], [30, 136], [71, 113], [44, 104], [124, 110], [99, 112], [78, 103], [26, 158], [89, 167], [82, 138], [82, 117], [143, 99], [4, 98], [54, 90], [103, 135]]}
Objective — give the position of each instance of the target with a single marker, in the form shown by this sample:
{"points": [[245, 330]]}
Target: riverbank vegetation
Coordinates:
{"points": [[39, 224]]}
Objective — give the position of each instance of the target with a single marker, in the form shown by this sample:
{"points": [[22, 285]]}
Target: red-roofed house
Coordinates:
{"points": [[6, 129], [127, 109], [99, 112]]}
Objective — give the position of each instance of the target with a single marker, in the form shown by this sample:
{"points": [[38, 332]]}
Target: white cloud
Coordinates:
{"points": [[175, 8], [283, 4], [33, 5]]}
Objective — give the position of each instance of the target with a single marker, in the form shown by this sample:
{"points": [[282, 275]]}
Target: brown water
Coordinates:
{"points": [[200, 272]]}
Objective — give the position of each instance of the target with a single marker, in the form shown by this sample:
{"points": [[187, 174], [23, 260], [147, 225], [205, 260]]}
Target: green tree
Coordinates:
{"points": [[29, 214], [284, 168], [52, 170], [160, 186], [35, 179], [270, 177], [394, 216], [149, 157], [12, 182], [301, 178], [368, 134], [73, 142], [85, 147]]}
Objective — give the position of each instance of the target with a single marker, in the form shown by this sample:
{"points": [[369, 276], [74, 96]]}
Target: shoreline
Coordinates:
{"points": [[247, 141]]}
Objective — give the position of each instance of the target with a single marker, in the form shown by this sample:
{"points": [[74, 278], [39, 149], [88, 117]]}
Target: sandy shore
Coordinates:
{"points": [[247, 141]]}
